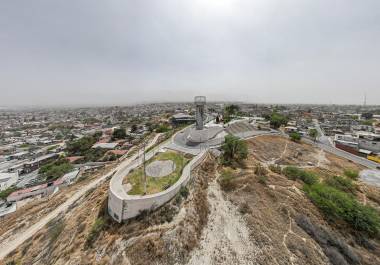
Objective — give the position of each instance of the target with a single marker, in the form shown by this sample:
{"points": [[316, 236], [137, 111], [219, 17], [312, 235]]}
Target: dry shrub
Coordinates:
{"points": [[260, 170], [226, 180]]}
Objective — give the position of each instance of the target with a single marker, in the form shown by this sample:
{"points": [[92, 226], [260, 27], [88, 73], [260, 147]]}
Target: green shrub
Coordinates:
{"points": [[295, 136], [341, 183], [337, 204], [234, 149], [352, 174], [295, 173], [5, 193], [163, 128], [184, 191], [119, 133], [56, 169]]}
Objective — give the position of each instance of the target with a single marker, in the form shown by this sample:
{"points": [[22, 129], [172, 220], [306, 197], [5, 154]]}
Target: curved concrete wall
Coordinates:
{"points": [[122, 206]]}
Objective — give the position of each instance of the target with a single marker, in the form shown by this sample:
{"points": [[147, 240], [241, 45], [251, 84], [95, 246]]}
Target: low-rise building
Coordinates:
{"points": [[39, 161], [7, 180]]}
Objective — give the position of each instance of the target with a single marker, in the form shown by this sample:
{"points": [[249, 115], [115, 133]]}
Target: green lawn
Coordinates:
{"points": [[154, 185]]}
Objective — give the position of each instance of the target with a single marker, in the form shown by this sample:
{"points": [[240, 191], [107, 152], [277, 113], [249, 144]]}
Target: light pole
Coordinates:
{"points": [[144, 168]]}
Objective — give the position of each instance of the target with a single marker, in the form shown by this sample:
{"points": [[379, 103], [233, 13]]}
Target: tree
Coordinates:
{"points": [[56, 169], [230, 111], [313, 133], [295, 136], [276, 120], [367, 115], [163, 128], [234, 150], [119, 134], [80, 146], [134, 128], [97, 135]]}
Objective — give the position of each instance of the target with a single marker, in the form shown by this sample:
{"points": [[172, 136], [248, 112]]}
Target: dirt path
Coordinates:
{"points": [[322, 159], [20, 237], [225, 239]]}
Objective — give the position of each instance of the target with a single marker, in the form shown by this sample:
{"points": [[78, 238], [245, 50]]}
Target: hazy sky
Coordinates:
{"points": [[62, 52]]}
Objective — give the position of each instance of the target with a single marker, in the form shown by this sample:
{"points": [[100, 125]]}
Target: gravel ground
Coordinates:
{"points": [[159, 169]]}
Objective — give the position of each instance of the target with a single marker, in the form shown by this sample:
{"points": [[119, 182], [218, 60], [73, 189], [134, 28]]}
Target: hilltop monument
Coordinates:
{"points": [[200, 103]]}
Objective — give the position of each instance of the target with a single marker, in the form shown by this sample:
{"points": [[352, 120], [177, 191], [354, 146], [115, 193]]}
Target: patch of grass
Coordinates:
{"points": [[226, 179], [295, 173], [155, 185], [336, 204], [55, 228], [96, 228], [341, 183], [352, 174]]}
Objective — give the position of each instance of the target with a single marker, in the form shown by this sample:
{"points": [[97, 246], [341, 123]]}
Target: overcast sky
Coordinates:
{"points": [[104, 52]]}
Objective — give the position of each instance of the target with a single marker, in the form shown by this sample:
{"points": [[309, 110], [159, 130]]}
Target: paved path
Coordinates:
{"points": [[20, 237], [321, 135]]}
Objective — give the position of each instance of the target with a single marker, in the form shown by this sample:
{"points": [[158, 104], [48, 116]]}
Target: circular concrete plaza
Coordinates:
{"points": [[160, 168]]}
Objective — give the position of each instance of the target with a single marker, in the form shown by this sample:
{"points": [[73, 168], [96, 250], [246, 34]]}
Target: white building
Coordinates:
{"points": [[361, 140], [7, 180], [369, 141]]}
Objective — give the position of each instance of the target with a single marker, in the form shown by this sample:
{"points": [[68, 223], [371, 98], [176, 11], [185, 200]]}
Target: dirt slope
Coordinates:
{"points": [[252, 222]]}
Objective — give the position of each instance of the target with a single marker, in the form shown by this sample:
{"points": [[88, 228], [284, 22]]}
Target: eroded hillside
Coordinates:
{"points": [[256, 216]]}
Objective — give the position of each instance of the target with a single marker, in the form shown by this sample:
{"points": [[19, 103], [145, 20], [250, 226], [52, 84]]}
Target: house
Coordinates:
{"points": [[290, 129], [117, 152], [182, 118], [38, 162], [74, 159], [105, 145], [42, 189], [369, 141], [361, 143], [19, 155], [7, 180]]}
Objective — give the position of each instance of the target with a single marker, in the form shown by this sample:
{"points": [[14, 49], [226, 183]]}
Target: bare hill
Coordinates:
{"points": [[258, 216]]}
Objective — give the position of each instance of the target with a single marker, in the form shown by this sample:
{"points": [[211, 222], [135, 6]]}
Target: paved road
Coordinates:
{"points": [[357, 159], [322, 137], [16, 240]]}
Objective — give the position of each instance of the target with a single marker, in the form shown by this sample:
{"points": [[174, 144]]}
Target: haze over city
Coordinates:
{"points": [[122, 52], [190, 132]]}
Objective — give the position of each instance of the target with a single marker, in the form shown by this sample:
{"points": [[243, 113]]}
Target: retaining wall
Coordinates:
{"points": [[132, 205]]}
